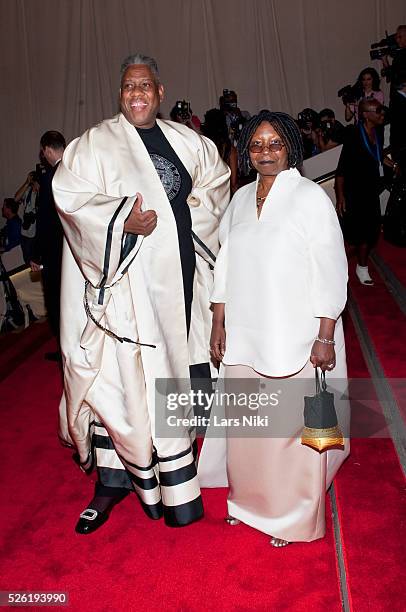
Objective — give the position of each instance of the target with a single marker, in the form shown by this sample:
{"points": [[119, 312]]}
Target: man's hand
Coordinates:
{"points": [[35, 267], [340, 206], [139, 222], [385, 61]]}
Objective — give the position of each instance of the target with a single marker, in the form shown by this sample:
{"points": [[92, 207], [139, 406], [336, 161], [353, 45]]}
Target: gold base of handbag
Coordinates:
{"points": [[323, 439]]}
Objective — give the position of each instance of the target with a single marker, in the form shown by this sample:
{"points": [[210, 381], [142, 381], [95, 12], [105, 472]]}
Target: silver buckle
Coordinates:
{"points": [[89, 514]]}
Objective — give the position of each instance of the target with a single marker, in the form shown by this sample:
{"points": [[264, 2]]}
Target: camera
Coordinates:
{"points": [[228, 101], [386, 46], [35, 175], [28, 220], [182, 110], [328, 130], [326, 126], [236, 125], [350, 94], [307, 119]]}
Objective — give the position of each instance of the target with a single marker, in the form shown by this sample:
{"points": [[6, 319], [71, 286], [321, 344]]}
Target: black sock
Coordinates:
{"points": [[105, 497]]}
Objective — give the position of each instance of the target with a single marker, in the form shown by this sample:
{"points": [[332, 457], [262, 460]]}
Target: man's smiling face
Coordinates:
{"points": [[141, 96]]}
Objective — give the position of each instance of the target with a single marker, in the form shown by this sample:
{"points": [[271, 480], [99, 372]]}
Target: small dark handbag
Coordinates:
{"points": [[321, 431]]}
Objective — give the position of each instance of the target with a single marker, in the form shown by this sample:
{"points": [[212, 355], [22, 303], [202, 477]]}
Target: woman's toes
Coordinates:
{"points": [[278, 542]]}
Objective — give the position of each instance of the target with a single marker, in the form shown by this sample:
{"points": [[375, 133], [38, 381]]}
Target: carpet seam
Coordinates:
{"points": [[393, 284], [387, 400], [341, 557]]}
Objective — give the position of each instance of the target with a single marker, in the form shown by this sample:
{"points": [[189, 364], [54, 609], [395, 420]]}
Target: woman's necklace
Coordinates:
{"points": [[261, 199]]}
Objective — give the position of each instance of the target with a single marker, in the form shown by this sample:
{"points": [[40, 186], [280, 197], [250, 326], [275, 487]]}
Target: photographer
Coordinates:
{"points": [[182, 113], [394, 222], [235, 118], [330, 132], [308, 122], [27, 195], [397, 111], [399, 58], [215, 128], [367, 87], [10, 234]]}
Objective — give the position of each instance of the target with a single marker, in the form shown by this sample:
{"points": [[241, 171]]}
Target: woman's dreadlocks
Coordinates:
{"points": [[287, 129]]}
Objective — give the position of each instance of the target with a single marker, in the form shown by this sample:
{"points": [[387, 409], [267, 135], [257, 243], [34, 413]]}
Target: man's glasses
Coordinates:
{"points": [[274, 146]]}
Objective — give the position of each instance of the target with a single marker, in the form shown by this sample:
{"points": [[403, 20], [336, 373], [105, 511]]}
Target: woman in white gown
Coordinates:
{"points": [[280, 286]]}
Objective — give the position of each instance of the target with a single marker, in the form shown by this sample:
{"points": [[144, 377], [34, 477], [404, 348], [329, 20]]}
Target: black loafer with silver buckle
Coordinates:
{"points": [[90, 520]]}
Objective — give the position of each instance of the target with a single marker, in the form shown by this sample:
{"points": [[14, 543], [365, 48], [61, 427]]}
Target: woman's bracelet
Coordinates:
{"points": [[325, 340]]}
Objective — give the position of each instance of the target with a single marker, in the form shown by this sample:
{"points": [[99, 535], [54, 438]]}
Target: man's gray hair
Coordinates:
{"points": [[139, 58]]}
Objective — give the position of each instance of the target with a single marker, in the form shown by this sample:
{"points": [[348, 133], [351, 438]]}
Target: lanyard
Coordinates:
{"points": [[377, 154]]}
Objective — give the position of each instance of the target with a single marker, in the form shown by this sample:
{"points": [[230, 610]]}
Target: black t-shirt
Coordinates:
{"points": [[178, 185]]}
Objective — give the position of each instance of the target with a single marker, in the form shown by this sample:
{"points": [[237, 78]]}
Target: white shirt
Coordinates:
{"points": [[278, 274]]}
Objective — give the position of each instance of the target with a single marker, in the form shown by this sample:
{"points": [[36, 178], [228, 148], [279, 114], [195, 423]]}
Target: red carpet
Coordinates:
{"points": [[385, 322], [356, 366], [386, 326], [395, 258], [133, 563], [370, 488], [16, 346]]}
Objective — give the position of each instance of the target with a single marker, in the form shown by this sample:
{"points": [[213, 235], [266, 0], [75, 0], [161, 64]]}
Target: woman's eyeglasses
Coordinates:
{"points": [[258, 147]]}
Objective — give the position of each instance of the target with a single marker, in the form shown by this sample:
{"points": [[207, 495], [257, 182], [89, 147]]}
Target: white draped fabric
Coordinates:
{"points": [[111, 385]]}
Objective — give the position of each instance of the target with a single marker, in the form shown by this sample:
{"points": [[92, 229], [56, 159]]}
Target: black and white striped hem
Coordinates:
{"points": [[167, 487]]}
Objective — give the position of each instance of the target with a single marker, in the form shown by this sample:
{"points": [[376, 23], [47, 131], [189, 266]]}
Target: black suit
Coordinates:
{"points": [[397, 68], [48, 249], [398, 130]]}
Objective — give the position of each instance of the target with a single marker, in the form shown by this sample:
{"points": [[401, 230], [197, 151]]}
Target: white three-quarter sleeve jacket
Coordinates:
{"points": [[278, 274]]}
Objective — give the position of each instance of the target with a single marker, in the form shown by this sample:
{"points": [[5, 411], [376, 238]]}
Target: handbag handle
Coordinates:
{"points": [[320, 385]]}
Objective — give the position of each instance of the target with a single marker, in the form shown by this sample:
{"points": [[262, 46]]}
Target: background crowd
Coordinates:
{"points": [[26, 226]]}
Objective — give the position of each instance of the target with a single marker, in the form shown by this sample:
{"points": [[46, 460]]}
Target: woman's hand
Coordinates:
{"points": [[323, 356], [218, 333], [218, 341]]}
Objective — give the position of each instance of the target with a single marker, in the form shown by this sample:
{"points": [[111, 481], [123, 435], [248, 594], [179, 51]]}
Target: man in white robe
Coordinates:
{"points": [[135, 295]]}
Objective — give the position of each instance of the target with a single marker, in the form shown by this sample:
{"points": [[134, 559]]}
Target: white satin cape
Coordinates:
{"points": [[142, 299]]}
